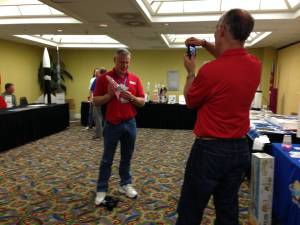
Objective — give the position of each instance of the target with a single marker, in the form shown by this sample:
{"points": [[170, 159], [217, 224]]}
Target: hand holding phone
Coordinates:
{"points": [[191, 50]]}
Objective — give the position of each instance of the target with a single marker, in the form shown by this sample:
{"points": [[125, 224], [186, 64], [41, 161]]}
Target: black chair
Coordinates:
{"points": [[23, 102]]}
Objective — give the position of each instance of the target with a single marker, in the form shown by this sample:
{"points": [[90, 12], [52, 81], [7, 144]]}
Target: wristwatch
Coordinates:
{"points": [[190, 75]]}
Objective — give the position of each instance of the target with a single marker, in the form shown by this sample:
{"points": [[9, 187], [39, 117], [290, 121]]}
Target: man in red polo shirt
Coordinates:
{"points": [[222, 93], [119, 123]]}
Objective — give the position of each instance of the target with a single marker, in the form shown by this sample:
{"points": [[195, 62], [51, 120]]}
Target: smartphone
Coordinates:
{"points": [[191, 50]]}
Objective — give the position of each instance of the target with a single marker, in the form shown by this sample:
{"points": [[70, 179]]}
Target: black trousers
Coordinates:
{"points": [[214, 168]]}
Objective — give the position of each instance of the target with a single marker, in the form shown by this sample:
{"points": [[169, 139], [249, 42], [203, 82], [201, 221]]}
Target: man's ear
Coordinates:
{"points": [[222, 30]]}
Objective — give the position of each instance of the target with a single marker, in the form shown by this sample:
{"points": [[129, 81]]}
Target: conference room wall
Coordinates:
{"points": [[269, 57], [288, 79], [150, 65], [19, 65]]}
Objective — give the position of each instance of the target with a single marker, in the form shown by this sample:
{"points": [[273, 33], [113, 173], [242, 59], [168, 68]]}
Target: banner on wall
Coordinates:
{"points": [[272, 91]]}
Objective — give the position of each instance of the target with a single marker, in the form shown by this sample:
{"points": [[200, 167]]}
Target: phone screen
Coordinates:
{"points": [[191, 50]]}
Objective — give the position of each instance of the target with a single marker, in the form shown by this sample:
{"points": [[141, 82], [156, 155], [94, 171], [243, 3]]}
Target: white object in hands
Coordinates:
{"points": [[112, 82], [118, 87]]}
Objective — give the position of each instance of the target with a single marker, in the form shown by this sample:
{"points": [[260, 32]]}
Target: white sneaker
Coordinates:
{"points": [[100, 198], [128, 190]]}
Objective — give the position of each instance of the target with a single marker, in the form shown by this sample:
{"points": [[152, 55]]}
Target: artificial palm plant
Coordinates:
{"points": [[54, 75]]}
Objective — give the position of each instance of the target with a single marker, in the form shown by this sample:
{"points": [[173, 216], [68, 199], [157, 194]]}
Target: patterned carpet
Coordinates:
{"points": [[52, 181]]}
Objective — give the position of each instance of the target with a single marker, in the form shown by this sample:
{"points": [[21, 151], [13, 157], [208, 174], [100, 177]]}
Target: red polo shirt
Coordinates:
{"points": [[222, 93], [116, 111], [2, 103]]}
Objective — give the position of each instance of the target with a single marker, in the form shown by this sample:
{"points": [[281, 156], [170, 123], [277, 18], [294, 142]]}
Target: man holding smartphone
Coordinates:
{"points": [[222, 93]]}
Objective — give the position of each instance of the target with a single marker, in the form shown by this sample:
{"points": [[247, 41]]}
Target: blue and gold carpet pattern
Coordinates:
{"points": [[52, 181]]}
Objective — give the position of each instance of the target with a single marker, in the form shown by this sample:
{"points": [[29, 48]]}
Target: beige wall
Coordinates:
{"points": [[269, 57], [19, 65], [150, 65], [288, 79]]}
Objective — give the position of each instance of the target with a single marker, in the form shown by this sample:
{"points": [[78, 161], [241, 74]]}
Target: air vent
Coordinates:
{"points": [[130, 19], [157, 47], [63, 1], [147, 38]]}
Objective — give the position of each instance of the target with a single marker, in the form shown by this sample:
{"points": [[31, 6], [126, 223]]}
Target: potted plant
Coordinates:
{"points": [[54, 76]]}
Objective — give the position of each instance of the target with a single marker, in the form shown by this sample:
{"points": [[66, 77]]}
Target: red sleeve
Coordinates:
{"points": [[2, 103], [199, 91], [101, 86], [139, 88]]}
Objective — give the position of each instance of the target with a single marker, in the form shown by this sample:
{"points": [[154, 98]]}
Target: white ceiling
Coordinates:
{"points": [[121, 16]]}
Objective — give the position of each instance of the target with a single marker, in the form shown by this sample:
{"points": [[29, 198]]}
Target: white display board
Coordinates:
{"points": [[173, 80]]}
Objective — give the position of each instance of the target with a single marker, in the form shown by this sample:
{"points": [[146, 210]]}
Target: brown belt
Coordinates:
{"points": [[215, 138]]}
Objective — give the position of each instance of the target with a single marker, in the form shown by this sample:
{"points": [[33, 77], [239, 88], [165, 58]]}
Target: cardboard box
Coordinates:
{"points": [[262, 175]]}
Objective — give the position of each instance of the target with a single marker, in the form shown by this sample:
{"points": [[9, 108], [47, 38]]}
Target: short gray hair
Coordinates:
{"points": [[123, 52]]}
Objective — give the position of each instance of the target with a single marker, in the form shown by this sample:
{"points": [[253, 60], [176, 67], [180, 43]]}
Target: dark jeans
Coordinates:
{"points": [[126, 133], [98, 119], [214, 167]]}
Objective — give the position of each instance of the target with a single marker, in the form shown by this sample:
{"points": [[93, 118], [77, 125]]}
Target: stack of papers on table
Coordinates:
{"points": [[285, 122]]}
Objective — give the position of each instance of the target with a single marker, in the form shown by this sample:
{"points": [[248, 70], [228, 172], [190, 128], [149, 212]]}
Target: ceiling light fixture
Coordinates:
{"points": [[75, 41], [103, 25], [31, 12], [47, 20], [166, 11], [177, 40]]}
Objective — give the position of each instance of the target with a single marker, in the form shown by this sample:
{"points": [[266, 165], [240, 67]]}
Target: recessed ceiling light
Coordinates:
{"points": [[75, 41], [59, 30], [40, 20], [31, 12], [103, 25], [177, 40], [166, 24], [165, 11]]}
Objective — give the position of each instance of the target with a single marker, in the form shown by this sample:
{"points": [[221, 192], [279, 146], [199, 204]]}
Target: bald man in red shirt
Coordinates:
{"points": [[221, 93], [119, 122]]}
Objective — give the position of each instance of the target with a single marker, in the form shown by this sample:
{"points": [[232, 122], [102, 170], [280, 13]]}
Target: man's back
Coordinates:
{"points": [[226, 87]]}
